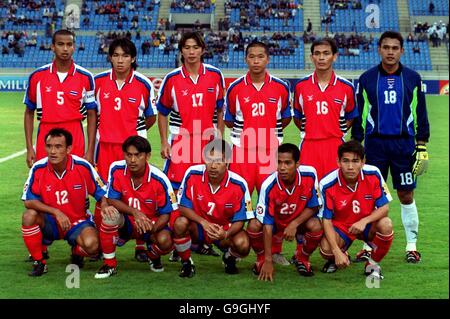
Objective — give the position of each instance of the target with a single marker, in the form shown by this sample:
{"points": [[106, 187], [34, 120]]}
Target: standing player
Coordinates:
{"points": [[142, 200], [193, 96], [214, 204], [126, 107], [62, 93], [54, 196], [257, 110], [324, 108], [286, 209], [355, 205], [393, 123]]}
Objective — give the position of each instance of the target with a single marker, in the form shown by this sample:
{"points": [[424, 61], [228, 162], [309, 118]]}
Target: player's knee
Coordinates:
{"points": [[314, 225], [91, 245], [113, 219], [181, 225], [405, 197], [254, 226], [241, 243], [164, 240], [384, 225], [29, 217]]}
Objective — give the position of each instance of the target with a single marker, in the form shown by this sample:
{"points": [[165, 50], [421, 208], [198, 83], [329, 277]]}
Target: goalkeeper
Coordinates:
{"points": [[393, 123]]}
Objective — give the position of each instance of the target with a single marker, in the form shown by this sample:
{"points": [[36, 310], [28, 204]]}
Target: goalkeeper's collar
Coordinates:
{"points": [[384, 73]]}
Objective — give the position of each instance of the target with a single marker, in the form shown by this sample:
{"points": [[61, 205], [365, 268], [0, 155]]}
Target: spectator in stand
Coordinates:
{"points": [[431, 8]]}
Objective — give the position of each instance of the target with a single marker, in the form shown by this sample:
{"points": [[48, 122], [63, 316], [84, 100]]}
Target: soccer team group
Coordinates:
{"points": [[325, 193]]}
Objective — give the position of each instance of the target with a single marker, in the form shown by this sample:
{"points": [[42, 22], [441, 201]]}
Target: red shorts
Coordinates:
{"points": [[74, 127], [254, 166], [106, 154], [185, 153], [320, 154]]}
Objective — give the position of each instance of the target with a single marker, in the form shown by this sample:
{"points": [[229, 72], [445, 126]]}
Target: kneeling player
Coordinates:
{"points": [[214, 204], [287, 208], [55, 196], [355, 207], [142, 199]]}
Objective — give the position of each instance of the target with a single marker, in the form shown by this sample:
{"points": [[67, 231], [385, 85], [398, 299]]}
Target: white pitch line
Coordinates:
{"points": [[17, 154]]}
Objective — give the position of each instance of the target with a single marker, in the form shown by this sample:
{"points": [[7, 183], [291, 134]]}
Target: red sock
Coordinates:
{"points": [[32, 236], [44, 248], [108, 234], [77, 250], [381, 244], [256, 242], [154, 252], [140, 244], [277, 243], [183, 247], [98, 215], [310, 242]]}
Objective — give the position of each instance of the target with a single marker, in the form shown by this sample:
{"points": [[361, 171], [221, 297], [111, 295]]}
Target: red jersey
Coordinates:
{"points": [[57, 101], [67, 192], [153, 197], [231, 202], [191, 103], [344, 205], [123, 110], [278, 206], [324, 111], [257, 113]]}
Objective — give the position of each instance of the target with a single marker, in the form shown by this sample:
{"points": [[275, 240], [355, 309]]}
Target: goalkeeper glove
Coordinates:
{"points": [[420, 157]]}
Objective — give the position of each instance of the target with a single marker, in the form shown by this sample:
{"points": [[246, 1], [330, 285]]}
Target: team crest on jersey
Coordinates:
{"points": [[368, 196], [132, 100], [184, 92], [73, 93], [247, 99], [272, 100], [77, 186], [338, 101], [211, 90], [303, 197], [260, 210], [228, 205], [106, 95], [148, 201], [310, 97], [391, 82]]}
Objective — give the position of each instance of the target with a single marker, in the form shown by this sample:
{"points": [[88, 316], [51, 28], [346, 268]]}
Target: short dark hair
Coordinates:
{"points": [[57, 131], [325, 41], [196, 36], [257, 44], [352, 146], [62, 32], [127, 46], [391, 35], [290, 148], [219, 145], [141, 144]]}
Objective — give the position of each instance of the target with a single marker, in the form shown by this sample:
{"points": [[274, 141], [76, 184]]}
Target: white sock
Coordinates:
{"points": [[411, 247], [410, 220]]}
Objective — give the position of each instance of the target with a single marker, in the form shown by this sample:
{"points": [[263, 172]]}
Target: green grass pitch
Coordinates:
{"points": [[428, 279]]}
